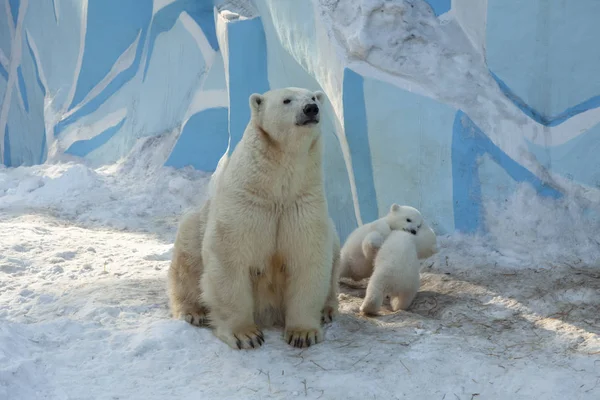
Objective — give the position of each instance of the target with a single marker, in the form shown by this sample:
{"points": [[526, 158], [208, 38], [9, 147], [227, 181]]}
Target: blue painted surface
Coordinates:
{"points": [[410, 145], [355, 116], [540, 118], [468, 143], [247, 72], [117, 22], [22, 88], [55, 10], [165, 18], [546, 52], [440, 6], [3, 73], [133, 17], [7, 156], [81, 148], [577, 159], [5, 41], [36, 68], [14, 9], [203, 141]]}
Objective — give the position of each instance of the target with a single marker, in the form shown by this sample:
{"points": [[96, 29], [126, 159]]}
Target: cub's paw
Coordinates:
{"points": [[243, 339], [303, 337], [328, 313]]}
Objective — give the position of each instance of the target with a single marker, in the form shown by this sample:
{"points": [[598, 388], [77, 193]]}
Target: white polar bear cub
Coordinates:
{"points": [[396, 269], [359, 251], [269, 244]]}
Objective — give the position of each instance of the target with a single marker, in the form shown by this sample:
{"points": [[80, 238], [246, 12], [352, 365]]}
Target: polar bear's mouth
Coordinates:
{"points": [[305, 120], [308, 121], [413, 231]]}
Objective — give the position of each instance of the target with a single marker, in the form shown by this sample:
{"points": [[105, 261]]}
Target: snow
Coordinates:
{"points": [[83, 309]]}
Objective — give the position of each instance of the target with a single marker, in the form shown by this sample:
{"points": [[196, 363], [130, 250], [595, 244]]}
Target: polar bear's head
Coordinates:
{"points": [[426, 242], [288, 115], [404, 218]]}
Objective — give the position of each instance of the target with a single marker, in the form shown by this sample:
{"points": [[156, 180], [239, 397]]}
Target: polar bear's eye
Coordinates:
{"points": [[313, 98], [286, 101], [408, 220]]}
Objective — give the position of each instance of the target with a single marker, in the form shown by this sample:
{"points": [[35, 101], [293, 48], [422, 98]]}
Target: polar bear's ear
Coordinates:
{"points": [[256, 101], [395, 207], [320, 96]]}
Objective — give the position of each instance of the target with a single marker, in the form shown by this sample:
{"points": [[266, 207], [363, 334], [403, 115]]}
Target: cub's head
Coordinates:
{"points": [[288, 115], [404, 218]]}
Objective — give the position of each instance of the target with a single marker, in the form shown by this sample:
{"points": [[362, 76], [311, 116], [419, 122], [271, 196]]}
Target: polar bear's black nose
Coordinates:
{"points": [[311, 110]]}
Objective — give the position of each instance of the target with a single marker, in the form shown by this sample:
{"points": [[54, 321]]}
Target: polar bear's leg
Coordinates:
{"points": [[227, 291], [331, 305], [374, 295], [402, 301], [184, 289], [307, 247], [186, 269]]}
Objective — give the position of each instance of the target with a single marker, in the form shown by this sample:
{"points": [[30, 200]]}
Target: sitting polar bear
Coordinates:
{"points": [[263, 248], [396, 269], [359, 251]]}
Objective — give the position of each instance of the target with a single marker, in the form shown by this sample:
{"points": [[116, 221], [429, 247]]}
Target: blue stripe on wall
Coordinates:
{"points": [[22, 88], [114, 22], [7, 158], [591, 103], [3, 72], [14, 9], [440, 6], [355, 125], [247, 72], [82, 148], [468, 143], [140, 13], [165, 18], [202, 142], [35, 66]]}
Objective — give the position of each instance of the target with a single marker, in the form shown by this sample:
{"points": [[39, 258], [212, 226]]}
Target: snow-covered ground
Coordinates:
{"points": [[83, 308]]}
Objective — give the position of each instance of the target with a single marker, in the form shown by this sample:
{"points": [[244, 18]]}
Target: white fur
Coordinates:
{"points": [[270, 253], [361, 246], [396, 269]]}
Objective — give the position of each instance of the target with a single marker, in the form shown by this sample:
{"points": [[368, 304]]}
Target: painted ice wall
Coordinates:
{"points": [[440, 104]]}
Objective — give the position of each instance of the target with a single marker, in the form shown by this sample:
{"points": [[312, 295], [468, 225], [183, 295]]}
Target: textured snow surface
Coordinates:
{"points": [[83, 307]]}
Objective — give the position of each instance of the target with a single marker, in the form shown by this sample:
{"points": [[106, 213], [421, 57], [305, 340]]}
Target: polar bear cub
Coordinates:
{"points": [[263, 251], [396, 269], [358, 253]]}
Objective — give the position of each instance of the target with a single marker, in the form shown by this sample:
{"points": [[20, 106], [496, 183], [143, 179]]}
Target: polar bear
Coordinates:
{"points": [[396, 269], [360, 248], [263, 248]]}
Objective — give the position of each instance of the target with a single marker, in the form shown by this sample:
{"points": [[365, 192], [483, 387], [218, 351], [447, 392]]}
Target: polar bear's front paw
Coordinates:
{"points": [[196, 318], [303, 337], [328, 313], [243, 339]]}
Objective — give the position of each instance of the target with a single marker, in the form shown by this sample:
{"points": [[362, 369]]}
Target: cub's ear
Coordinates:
{"points": [[256, 101], [395, 207], [320, 96]]}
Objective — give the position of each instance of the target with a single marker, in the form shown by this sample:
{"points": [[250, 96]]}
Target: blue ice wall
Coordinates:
{"points": [[89, 78]]}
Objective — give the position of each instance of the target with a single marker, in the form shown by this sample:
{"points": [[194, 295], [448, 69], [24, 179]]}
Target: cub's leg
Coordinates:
{"points": [[307, 246], [186, 269], [371, 245], [403, 300]]}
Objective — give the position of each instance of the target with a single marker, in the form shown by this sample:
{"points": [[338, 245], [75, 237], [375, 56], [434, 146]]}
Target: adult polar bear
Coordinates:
{"points": [[263, 248]]}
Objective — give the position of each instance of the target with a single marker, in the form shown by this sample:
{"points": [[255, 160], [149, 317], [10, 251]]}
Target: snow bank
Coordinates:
{"points": [[439, 104]]}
